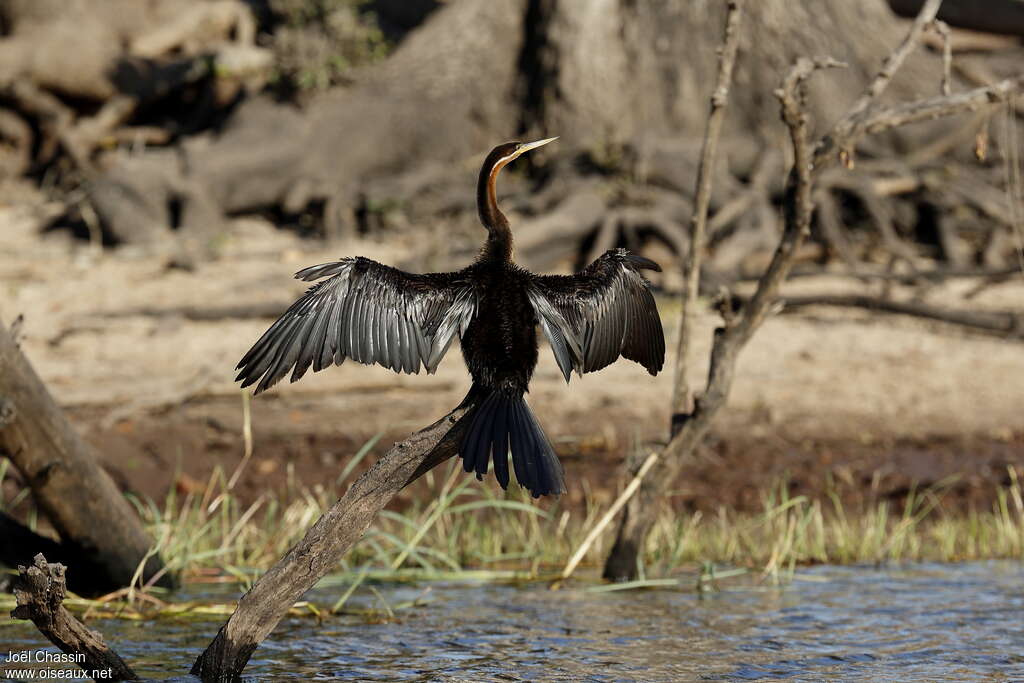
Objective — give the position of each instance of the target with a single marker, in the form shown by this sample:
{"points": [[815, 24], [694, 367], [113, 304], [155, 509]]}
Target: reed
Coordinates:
{"points": [[456, 528]]}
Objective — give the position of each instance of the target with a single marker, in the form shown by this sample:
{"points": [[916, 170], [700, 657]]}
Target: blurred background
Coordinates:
{"points": [[166, 166]]}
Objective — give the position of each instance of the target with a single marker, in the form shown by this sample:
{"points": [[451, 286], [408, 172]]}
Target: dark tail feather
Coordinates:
{"points": [[502, 422]]}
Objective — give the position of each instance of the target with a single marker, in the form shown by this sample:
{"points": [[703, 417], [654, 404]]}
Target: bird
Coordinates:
{"points": [[373, 313]]}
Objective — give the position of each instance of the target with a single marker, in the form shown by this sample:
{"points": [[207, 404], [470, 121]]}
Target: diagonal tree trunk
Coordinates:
{"points": [[100, 533]]}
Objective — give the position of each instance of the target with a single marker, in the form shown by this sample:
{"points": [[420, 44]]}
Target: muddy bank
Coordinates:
{"points": [[298, 445]]}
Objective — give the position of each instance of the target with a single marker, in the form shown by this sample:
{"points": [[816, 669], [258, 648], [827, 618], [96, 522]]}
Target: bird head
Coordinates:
{"points": [[504, 154]]}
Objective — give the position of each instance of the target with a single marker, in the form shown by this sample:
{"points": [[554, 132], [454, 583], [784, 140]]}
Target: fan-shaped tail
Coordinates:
{"points": [[502, 422]]}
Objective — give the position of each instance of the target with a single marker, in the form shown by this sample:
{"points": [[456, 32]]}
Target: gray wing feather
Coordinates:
{"points": [[603, 312], [365, 311]]}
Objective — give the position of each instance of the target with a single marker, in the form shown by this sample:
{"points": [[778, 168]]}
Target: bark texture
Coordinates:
{"points": [[39, 590], [97, 526], [323, 546]]}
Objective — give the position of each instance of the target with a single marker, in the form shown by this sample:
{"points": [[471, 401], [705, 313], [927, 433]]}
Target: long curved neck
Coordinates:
{"points": [[499, 236]]}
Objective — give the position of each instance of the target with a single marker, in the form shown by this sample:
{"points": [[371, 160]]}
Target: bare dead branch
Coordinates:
{"points": [[730, 339], [941, 28], [844, 130], [988, 275], [1001, 323], [939, 107], [682, 394], [40, 590], [799, 205]]}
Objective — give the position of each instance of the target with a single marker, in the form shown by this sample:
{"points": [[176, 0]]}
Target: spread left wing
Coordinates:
{"points": [[603, 312], [366, 311]]}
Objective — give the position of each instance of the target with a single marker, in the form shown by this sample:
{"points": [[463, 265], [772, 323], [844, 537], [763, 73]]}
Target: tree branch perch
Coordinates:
{"points": [[323, 546]]}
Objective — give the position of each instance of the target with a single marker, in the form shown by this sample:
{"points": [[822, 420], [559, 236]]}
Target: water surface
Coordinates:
{"points": [[915, 623]]}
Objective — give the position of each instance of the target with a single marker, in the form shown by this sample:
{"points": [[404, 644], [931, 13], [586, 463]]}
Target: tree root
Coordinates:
{"points": [[1006, 324]]}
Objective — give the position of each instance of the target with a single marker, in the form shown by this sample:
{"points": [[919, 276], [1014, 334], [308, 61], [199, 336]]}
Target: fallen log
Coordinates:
{"points": [[1002, 323], [95, 522], [274, 593]]}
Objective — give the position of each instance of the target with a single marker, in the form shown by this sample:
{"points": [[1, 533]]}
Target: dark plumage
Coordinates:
{"points": [[373, 313]]}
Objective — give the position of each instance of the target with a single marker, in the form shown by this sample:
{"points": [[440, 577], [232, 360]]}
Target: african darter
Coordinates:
{"points": [[373, 313]]}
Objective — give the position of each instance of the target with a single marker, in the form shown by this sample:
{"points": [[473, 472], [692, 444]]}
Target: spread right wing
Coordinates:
{"points": [[601, 313]]}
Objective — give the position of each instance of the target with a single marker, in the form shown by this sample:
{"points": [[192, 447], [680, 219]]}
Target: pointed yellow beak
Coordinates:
{"points": [[527, 146]]}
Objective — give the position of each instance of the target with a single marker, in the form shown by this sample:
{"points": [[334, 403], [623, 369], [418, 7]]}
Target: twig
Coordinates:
{"points": [[938, 107], [941, 28], [40, 591], [845, 130], [682, 398], [799, 205], [608, 516]]}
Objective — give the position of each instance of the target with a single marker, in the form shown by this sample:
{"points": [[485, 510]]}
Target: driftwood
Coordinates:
{"points": [[97, 526], [40, 591], [864, 117]]}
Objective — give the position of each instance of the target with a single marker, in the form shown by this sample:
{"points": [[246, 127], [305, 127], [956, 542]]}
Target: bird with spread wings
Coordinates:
{"points": [[373, 313]]}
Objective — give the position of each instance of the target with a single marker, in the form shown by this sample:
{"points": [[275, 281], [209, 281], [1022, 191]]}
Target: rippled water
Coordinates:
{"points": [[916, 623]]}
